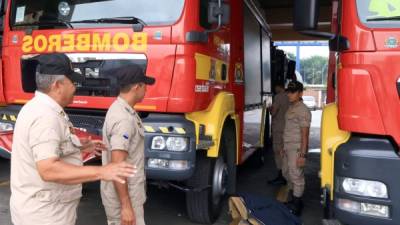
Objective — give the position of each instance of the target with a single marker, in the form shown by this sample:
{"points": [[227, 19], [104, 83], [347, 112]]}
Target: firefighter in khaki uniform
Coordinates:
{"points": [[46, 164], [295, 137], [278, 111], [123, 134]]}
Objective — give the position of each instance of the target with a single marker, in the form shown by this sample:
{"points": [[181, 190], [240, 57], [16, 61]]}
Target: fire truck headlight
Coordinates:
{"points": [[167, 164], [363, 208], [365, 188], [158, 143], [4, 127], [177, 144]]}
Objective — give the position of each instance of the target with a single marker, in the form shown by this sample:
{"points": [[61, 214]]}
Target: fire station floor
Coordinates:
{"points": [[168, 206]]}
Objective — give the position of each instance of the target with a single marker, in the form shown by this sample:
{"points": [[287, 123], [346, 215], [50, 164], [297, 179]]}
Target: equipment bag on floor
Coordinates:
{"points": [[249, 209]]}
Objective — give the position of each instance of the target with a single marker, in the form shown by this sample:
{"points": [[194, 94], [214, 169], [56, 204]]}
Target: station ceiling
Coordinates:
{"points": [[279, 17]]}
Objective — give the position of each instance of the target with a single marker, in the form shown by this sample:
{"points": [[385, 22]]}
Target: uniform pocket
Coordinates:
{"points": [[46, 196], [67, 148], [291, 117], [141, 132], [70, 143]]}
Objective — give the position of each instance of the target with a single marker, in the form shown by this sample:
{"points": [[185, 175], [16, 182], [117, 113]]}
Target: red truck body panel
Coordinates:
{"points": [[368, 100]]}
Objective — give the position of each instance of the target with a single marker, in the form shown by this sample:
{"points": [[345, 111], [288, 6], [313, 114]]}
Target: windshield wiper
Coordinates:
{"points": [[122, 20], [47, 23], [384, 18]]}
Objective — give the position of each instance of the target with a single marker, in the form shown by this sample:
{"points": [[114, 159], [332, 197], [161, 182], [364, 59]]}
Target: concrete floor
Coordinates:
{"points": [[168, 206]]}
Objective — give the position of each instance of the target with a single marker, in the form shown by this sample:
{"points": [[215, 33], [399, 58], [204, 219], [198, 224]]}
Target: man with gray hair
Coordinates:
{"points": [[46, 164]]}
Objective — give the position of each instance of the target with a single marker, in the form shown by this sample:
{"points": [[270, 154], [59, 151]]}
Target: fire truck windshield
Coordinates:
{"points": [[93, 13], [379, 13]]}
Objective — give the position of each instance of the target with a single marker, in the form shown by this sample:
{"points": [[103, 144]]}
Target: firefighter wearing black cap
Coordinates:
{"points": [[123, 134], [295, 138], [46, 164]]}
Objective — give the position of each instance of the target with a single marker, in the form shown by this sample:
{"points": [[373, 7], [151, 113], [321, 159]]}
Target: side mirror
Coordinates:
{"points": [[339, 43], [306, 13], [305, 19], [218, 11]]}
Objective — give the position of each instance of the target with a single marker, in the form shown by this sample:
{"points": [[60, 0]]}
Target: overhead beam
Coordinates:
{"points": [[280, 21]]}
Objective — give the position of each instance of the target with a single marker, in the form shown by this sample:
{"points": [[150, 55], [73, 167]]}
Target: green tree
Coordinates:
{"points": [[314, 69]]}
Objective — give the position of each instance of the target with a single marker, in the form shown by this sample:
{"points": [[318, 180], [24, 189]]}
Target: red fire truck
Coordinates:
{"points": [[211, 61], [360, 134]]}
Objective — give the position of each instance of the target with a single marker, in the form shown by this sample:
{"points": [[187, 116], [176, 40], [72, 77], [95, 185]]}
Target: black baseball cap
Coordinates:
{"points": [[58, 64], [295, 86], [132, 74]]}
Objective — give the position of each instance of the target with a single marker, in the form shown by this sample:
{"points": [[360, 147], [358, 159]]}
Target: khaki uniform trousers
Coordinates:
{"points": [[277, 146], [293, 174], [114, 215]]}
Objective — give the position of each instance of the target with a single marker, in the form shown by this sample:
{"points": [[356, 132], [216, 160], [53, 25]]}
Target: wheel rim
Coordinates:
{"points": [[219, 180]]}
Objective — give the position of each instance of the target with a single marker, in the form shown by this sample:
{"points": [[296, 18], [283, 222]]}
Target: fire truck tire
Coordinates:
{"points": [[203, 205], [228, 149], [216, 177]]}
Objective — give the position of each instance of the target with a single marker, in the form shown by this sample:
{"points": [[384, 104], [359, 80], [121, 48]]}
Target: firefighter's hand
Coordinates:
{"points": [[92, 146], [117, 172], [301, 162], [128, 216]]}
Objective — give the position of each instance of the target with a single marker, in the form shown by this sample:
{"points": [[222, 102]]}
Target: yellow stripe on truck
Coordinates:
{"points": [[164, 130], [207, 66], [331, 138], [180, 130], [149, 129], [213, 118]]}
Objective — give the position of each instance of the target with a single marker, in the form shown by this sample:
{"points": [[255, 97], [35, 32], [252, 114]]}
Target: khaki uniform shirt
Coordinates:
{"points": [[281, 103], [123, 130], [42, 131], [297, 117]]}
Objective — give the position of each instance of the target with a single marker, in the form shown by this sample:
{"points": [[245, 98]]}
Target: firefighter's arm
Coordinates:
{"points": [[122, 189], [305, 132], [305, 123], [127, 212], [302, 154], [274, 108], [55, 170]]}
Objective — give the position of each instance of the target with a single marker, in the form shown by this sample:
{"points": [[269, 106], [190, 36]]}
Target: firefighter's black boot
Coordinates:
{"points": [[295, 206], [279, 180], [289, 197]]}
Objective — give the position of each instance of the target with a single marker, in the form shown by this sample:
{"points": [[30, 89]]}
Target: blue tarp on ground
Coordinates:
{"points": [[268, 210]]}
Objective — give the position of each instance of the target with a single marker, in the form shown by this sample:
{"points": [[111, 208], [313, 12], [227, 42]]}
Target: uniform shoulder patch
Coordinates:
{"points": [[126, 136]]}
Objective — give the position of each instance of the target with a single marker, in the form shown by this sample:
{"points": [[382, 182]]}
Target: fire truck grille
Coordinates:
{"points": [[89, 123]]}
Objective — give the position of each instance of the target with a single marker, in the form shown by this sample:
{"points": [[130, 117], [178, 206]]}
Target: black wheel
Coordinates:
{"points": [[228, 149], [203, 206], [215, 178]]}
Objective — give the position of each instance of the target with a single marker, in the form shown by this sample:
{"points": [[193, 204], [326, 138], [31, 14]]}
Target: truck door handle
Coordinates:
{"points": [[398, 86]]}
